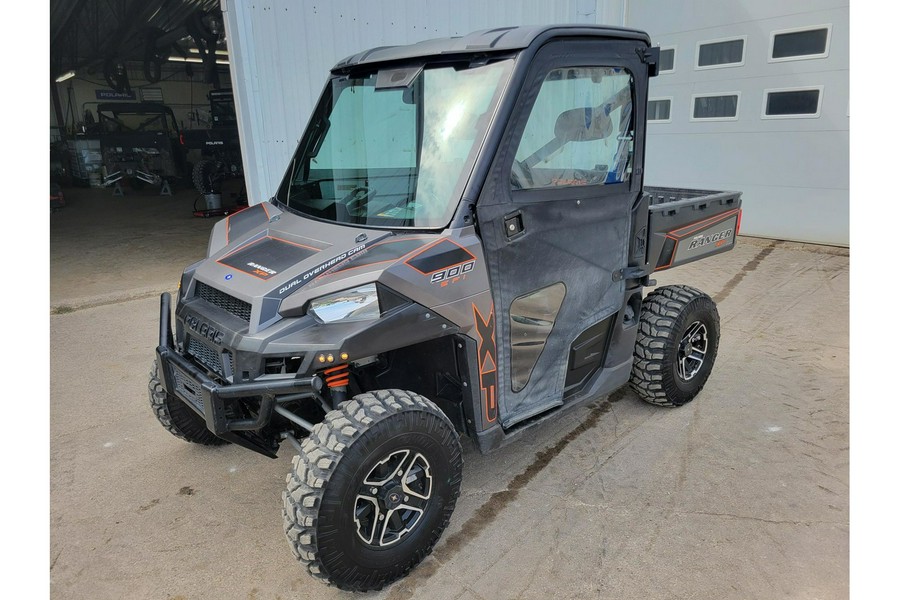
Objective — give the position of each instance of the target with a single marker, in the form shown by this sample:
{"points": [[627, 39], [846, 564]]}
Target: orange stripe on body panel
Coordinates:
{"points": [[487, 362]]}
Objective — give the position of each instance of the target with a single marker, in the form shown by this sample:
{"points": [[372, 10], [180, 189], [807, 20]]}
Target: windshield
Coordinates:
{"points": [[393, 157]]}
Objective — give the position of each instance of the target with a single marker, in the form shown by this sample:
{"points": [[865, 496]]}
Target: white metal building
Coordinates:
{"points": [[756, 100], [756, 97]]}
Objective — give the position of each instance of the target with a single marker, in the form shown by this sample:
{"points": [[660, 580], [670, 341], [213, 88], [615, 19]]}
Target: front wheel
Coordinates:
{"points": [[176, 417], [677, 342], [373, 489]]}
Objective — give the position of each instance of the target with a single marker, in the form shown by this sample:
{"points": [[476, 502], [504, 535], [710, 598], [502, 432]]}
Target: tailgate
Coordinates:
{"points": [[687, 225]]}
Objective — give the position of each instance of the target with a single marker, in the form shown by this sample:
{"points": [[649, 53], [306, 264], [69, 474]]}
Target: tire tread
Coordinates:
{"points": [[313, 468], [660, 314], [175, 417]]}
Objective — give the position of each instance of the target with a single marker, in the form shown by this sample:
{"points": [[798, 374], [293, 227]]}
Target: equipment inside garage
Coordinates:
{"points": [[142, 105]]}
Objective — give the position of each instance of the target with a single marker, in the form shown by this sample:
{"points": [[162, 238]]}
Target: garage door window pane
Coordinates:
{"points": [[721, 53], [659, 110], [579, 131], [795, 102], [800, 43], [716, 107], [667, 60]]}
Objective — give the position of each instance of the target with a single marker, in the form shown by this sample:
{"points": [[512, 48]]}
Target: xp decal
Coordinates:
{"points": [[487, 362]]}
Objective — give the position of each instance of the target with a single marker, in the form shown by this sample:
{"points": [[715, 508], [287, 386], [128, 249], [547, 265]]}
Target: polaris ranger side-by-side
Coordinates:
{"points": [[460, 245]]}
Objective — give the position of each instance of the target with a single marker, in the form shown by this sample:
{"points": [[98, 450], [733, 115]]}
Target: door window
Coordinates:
{"points": [[580, 130]]}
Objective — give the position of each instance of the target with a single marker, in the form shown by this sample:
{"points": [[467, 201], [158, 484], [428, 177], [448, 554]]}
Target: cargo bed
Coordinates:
{"points": [[685, 225]]}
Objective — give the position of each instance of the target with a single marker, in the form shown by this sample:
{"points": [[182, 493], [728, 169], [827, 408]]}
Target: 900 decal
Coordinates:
{"points": [[443, 262], [448, 275]]}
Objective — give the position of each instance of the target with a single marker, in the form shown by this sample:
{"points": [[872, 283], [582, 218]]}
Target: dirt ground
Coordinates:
{"points": [[741, 494]]}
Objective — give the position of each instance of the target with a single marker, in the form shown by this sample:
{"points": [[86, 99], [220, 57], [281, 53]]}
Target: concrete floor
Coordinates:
{"points": [[741, 494]]}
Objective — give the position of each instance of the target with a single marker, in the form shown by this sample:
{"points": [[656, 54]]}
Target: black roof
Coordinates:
{"points": [[502, 39]]}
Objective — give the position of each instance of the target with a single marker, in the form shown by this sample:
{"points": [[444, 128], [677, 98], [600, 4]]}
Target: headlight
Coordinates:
{"points": [[358, 304]]}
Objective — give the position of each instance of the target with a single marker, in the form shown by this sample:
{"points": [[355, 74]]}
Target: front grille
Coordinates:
{"points": [[206, 355], [187, 388], [226, 302]]}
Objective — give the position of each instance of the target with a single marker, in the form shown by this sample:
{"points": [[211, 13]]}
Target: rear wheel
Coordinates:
{"points": [[178, 419], [373, 489], [676, 347]]}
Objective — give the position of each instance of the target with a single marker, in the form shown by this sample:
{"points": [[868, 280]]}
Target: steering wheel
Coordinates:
{"points": [[357, 201]]}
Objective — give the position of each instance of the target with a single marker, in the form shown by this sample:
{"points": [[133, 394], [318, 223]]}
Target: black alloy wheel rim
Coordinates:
{"points": [[393, 498], [692, 351]]}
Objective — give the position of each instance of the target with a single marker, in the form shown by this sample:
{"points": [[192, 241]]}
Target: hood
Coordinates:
{"points": [[262, 255]]}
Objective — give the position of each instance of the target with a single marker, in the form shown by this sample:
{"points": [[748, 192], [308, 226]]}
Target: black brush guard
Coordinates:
{"points": [[190, 384]]}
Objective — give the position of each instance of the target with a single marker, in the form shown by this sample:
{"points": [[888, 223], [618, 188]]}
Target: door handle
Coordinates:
{"points": [[513, 225]]}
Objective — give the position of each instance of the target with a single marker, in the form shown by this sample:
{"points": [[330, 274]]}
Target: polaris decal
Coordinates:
{"points": [[203, 329]]}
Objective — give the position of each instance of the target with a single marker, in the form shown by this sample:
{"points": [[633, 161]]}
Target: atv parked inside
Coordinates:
{"points": [[460, 246]]}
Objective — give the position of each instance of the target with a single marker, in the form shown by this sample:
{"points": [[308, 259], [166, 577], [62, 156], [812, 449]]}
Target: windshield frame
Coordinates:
{"points": [[318, 126]]}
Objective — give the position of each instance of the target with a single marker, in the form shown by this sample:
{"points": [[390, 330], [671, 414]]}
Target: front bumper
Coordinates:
{"points": [[210, 399]]}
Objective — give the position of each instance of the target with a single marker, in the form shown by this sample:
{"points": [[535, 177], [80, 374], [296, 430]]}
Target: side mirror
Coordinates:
{"points": [[582, 125]]}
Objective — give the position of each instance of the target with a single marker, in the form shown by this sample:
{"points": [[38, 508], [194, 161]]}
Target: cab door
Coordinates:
{"points": [[555, 213]]}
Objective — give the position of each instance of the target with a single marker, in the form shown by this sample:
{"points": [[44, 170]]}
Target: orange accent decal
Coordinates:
{"points": [[256, 241], [693, 227], [380, 262], [432, 245], [674, 250], [487, 371], [228, 223]]}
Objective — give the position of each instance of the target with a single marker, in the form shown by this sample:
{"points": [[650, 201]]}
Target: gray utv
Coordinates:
{"points": [[460, 245]]}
